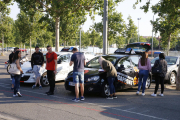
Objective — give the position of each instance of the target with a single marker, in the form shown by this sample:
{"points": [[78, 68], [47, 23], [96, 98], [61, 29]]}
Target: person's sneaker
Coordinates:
{"points": [[154, 95], [75, 99], [109, 97], [82, 98], [143, 94], [15, 95], [137, 93], [12, 88], [161, 95], [40, 87], [50, 93], [19, 94], [34, 86], [114, 96]]}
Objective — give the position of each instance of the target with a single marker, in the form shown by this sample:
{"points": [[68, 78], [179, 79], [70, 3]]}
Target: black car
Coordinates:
{"points": [[172, 64], [95, 79]]}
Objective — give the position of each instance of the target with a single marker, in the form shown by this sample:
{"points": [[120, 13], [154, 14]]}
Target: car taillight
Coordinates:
{"points": [[148, 44], [142, 44], [6, 62]]}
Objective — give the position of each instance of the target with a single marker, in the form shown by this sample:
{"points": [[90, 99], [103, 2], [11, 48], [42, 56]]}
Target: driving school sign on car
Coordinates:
{"points": [[125, 78]]}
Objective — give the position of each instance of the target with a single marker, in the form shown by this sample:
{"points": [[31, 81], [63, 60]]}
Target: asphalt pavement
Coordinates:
{"points": [[35, 105]]}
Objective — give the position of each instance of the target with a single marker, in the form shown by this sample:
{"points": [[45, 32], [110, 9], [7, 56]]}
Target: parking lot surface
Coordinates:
{"points": [[35, 105]]}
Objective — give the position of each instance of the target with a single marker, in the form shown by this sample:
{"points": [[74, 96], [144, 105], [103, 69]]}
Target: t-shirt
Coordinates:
{"points": [[109, 68], [37, 59], [50, 64], [78, 59]]}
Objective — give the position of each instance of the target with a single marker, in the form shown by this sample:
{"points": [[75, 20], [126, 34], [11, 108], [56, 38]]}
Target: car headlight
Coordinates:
{"points": [[94, 78], [30, 71]]}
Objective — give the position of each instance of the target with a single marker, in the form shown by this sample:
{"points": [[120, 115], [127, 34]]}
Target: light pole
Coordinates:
{"points": [[138, 28], [152, 39], [105, 26]]}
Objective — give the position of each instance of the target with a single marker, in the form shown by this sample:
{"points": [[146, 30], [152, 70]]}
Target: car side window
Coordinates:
{"points": [[126, 62], [94, 63], [64, 58]]}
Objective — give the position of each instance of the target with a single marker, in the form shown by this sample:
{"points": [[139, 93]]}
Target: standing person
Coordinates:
{"points": [[37, 61], [16, 60], [51, 67], [160, 77], [10, 61], [108, 67], [144, 67], [78, 59]]}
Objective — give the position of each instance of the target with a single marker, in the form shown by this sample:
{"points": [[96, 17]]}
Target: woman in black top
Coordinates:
{"points": [[160, 77]]}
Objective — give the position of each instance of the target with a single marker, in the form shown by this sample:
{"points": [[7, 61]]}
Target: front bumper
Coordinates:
{"points": [[28, 78], [88, 86]]}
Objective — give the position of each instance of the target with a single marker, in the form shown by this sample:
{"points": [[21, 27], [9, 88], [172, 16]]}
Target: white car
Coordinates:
{"points": [[89, 56], [63, 68]]}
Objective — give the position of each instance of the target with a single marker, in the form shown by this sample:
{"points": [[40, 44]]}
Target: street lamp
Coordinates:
{"points": [[138, 28]]}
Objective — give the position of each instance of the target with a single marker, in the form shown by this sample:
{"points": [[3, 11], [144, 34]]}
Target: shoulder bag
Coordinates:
{"points": [[14, 70]]}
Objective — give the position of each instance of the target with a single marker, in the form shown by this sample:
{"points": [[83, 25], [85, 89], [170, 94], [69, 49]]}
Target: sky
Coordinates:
{"points": [[126, 8]]}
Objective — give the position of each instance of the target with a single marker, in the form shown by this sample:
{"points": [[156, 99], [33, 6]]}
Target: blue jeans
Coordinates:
{"points": [[111, 84], [13, 80], [17, 83], [143, 75], [78, 77]]}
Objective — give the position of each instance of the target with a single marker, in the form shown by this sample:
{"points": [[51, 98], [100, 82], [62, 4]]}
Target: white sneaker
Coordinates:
{"points": [[161, 95], [154, 95], [143, 94], [15, 95], [137, 93], [19, 94]]}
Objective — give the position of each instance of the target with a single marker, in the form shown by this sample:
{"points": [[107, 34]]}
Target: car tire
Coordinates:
{"points": [[172, 79], [8, 68], [148, 83], [44, 80], [105, 90]]}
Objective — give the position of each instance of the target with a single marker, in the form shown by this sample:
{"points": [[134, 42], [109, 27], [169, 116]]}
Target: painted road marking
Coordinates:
{"points": [[141, 114]]}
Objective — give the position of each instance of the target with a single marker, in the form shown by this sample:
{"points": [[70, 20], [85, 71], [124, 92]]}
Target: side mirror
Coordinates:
{"points": [[121, 68], [59, 61], [177, 65], [26, 54]]}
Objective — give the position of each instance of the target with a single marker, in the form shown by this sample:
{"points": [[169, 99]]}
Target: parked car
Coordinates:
{"points": [[125, 61], [63, 68], [9, 49], [172, 64], [22, 50]]}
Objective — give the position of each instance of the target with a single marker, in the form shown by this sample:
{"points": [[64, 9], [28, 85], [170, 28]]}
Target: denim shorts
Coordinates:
{"points": [[78, 77], [37, 70]]}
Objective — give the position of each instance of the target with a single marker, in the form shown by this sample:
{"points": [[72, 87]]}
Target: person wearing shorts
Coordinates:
{"points": [[78, 60], [37, 61]]}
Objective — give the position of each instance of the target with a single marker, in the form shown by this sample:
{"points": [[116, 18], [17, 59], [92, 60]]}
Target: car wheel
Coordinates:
{"points": [[105, 90], [172, 79], [44, 80], [8, 68], [148, 83]]}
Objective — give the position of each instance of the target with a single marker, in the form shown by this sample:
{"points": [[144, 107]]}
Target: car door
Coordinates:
{"points": [[125, 71], [63, 67]]}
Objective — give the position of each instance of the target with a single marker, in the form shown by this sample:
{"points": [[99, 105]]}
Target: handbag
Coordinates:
{"points": [[157, 70], [14, 70]]}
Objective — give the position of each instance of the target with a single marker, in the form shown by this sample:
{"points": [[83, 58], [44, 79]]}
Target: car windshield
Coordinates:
{"points": [[169, 60], [95, 64]]}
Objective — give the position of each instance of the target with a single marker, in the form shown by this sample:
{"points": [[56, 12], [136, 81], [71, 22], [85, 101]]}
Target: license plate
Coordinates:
{"points": [[71, 84]]}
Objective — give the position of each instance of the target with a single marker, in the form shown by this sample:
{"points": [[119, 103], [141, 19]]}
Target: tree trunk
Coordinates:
{"points": [[3, 45], [24, 50], [57, 34], [30, 45], [168, 48]]}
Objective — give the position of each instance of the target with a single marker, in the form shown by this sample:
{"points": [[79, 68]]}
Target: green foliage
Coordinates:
{"points": [[155, 42], [131, 29]]}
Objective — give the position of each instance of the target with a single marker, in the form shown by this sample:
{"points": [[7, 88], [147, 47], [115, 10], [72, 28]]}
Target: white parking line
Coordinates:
{"points": [[141, 114]]}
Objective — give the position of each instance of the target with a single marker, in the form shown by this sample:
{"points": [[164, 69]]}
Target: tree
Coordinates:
{"points": [[94, 36], [155, 41], [116, 26], [131, 29]]}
